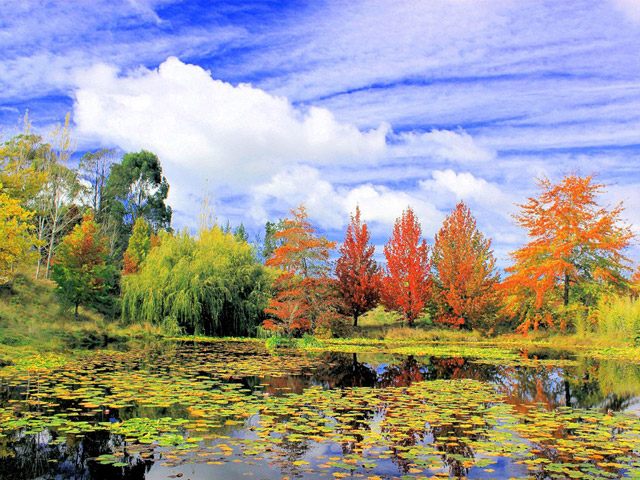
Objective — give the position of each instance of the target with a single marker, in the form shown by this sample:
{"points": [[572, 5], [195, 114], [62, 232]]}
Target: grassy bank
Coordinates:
{"points": [[32, 315]]}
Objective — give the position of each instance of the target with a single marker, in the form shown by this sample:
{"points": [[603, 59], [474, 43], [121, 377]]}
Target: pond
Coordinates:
{"points": [[231, 409]]}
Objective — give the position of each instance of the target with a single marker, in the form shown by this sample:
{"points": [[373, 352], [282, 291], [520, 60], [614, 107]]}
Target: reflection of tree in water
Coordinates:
{"points": [[452, 440], [286, 453], [34, 456], [449, 439], [339, 370], [403, 374]]}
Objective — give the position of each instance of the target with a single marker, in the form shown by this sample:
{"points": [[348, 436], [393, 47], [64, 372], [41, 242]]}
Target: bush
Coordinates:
{"points": [[619, 317]]}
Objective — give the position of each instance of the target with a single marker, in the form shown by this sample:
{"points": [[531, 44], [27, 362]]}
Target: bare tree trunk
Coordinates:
{"points": [[566, 289], [40, 235], [50, 254]]}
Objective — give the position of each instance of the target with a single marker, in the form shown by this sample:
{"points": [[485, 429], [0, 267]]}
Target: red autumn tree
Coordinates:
{"points": [[304, 294], [465, 272], [407, 282], [358, 274], [574, 253]]}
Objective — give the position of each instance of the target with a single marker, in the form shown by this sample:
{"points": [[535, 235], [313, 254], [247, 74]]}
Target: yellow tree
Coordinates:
{"points": [[16, 238], [574, 253], [21, 159]]}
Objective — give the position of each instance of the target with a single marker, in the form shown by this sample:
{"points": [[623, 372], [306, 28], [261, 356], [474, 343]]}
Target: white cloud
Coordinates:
{"points": [[238, 136], [465, 186], [445, 144], [233, 136], [630, 8], [331, 206]]}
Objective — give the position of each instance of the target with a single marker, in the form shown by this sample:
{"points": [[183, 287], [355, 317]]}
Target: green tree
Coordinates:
{"points": [[94, 171], [139, 246], [136, 189], [80, 268], [211, 284]]}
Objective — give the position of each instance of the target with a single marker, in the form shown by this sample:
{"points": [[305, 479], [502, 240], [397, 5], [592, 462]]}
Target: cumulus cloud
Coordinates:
{"points": [[465, 186], [237, 137], [330, 206], [234, 135]]}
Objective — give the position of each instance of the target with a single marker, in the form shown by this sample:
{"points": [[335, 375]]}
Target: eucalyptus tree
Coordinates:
{"points": [[136, 189]]}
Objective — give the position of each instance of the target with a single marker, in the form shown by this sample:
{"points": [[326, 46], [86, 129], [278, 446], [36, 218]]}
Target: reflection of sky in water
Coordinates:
{"points": [[317, 454], [522, 384]]}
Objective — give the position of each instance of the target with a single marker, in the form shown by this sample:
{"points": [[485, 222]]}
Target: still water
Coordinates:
{"points": [[235, 410]]}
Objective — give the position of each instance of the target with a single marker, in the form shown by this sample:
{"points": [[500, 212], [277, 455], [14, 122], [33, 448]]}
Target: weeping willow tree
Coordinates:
{"points": [[211, 284]]}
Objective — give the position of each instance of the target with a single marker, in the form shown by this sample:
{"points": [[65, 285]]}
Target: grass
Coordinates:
{"points": [[32, 315]]}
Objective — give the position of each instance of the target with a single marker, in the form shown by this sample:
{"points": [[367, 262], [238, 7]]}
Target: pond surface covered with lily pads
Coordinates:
{"points": [[234, 410]]}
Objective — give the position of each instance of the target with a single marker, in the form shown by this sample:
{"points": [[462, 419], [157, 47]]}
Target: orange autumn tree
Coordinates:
{"points": [[407, 283], [304, 294], [574, 254], [466, 277], [358, 275]]}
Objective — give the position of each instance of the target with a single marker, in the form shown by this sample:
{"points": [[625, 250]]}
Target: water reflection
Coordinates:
{"points": [[560, 381]]}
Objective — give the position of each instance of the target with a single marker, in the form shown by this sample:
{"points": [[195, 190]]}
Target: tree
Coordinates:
{"points": [[358, 274], [304, 295], [407, 283], [211, 285], [55, 211], [94, 171], [465, 272], [574, 253], [138, 248], [16, 237], [136, 188], [21, 158], [80, 268]]}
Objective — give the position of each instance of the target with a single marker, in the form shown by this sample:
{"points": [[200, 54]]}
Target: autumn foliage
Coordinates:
{"points": [[80, 267], [465, 270], [16, 233], [304, 294], [574, 253], [358, 275], [407, 284]]}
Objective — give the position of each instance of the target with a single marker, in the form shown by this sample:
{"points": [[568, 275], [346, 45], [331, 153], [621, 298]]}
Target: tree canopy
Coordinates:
{"points": [[358, 275], [574, 253], [136, 189], [465, 274], [211, 284], [407, 283], [304, 295], [80, 267]]}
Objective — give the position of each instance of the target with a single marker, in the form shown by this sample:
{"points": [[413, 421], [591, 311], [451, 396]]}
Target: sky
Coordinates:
{"points": [[382, 104]]}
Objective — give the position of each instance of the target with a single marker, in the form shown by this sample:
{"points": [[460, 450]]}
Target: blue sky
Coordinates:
{"points": [[378, 103]]}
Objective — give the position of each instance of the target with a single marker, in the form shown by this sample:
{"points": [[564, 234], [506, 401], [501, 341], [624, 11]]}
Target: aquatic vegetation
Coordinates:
{"points": [[219, 403]]}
